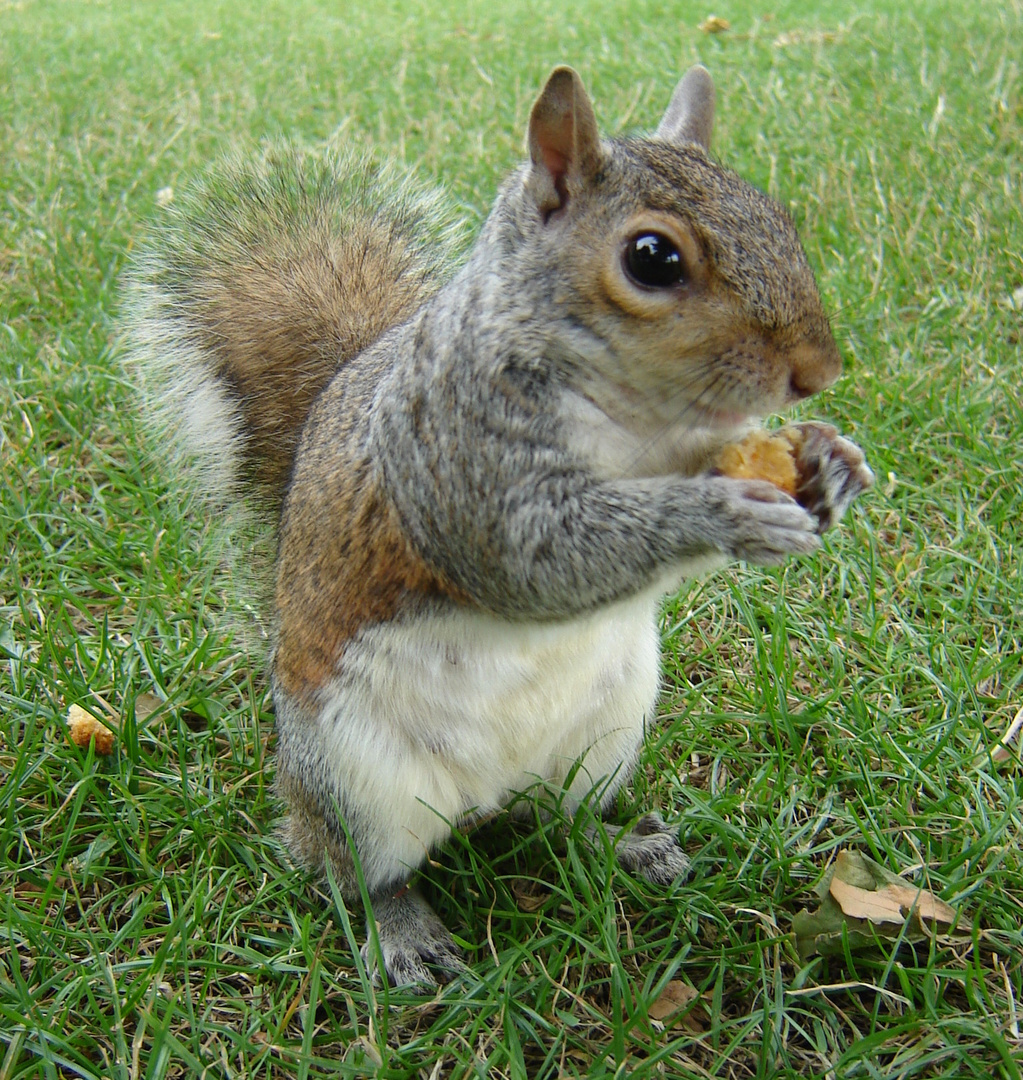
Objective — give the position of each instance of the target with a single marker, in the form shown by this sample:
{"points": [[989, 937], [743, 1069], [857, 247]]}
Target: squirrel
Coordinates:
{"points": [[483, 475]]}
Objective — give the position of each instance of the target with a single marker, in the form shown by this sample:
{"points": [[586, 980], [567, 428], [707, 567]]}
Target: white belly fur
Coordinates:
{"points": [[449, 715]]}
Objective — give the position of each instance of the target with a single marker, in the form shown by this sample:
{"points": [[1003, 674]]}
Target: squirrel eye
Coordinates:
{"points": [[653, 261]]}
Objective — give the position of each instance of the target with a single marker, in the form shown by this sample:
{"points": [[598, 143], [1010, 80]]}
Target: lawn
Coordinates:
{"points": [[151, 926]]}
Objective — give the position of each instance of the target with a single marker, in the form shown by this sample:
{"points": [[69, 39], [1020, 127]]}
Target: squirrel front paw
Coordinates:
{"points": [[756, 522], [832, 472]]}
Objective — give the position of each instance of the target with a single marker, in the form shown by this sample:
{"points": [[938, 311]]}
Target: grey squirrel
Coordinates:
{"points": [[483, 477]]}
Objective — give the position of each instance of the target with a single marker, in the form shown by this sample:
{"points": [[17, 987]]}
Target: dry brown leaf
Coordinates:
{"points": [[926, 905], [529, 895], [858, 898], [146, 705], [83, 727], [890, 902], [674, 998], [714, 24], [879, 906]]}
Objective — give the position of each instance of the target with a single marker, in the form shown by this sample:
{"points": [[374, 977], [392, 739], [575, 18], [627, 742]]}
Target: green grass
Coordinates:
{"points": [[150, 926]]}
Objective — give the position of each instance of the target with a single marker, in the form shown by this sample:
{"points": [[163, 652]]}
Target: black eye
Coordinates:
{"points": [[653, 260]]}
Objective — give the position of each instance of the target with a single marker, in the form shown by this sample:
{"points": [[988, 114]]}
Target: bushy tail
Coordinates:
{"points": [[267, 275]]}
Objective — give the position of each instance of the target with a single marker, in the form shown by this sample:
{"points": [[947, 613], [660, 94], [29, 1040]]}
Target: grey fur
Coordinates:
{"points": [[444, 440], [479, 471], [344, 244], [690, 113], [411, 936], [650, 849]]}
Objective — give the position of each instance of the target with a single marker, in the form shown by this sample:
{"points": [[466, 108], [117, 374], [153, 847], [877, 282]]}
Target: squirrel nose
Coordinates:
{"points": [[799, 388], [813, 367]]}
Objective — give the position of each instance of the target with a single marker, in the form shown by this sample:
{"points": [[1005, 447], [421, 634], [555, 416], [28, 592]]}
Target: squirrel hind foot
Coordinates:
{"points": [[650, 849], [411, 936]]}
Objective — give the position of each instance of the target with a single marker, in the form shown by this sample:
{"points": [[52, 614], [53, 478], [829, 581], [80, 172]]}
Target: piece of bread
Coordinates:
{"points": [[83, 728], [764, 455]]}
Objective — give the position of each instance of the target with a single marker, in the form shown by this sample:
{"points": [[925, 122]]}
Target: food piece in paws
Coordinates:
{"points": [[764, 455]]}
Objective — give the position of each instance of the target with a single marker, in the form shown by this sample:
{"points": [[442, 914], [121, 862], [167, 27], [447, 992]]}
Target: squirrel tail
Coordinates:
{"points": [[265, 278]]}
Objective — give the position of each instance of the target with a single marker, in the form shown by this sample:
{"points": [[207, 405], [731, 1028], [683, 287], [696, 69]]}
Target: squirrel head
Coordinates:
{"points": [[677, 289]]}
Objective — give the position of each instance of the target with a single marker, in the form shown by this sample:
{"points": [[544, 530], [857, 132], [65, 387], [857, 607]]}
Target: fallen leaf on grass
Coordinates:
{"points": [[863, 900], [670, 1008], [529, 895], [145, 705], [891, 903], [714, 24], [813, 37]]}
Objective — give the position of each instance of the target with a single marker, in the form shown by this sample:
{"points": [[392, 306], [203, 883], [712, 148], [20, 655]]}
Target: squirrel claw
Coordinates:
{"points": [[832, 470], [412, 936], [764, 524], [650, 849]]}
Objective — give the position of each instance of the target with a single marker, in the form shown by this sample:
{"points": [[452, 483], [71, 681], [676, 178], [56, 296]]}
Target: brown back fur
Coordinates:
{"points": [[266, 278]]}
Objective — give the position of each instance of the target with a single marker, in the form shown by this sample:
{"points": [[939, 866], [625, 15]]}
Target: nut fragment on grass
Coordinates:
{"points": [[764, 455], [82, 727]]}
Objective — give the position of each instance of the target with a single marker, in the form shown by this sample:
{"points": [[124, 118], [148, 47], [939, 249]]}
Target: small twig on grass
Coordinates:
{"points": [[1007, 747], [810, 991], [490, 931], [1010, 997]]}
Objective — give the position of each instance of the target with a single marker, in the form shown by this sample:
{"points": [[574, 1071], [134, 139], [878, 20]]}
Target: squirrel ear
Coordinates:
{"points": [[690, 113], [564, 144]]}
